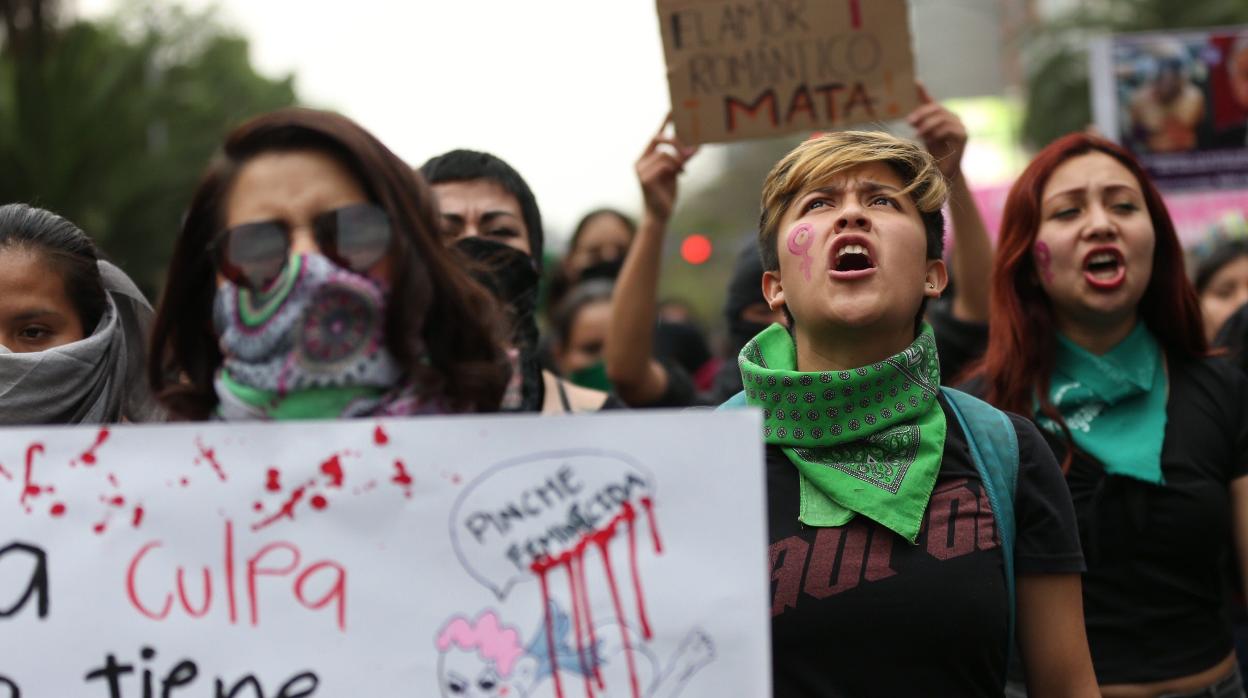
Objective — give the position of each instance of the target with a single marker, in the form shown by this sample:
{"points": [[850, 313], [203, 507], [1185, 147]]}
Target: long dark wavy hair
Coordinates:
{"points": [[441, 326]]}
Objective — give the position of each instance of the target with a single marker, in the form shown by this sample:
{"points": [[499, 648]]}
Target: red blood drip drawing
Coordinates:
{"points": [[648, 504], [57, 509], [88, 456], [579, 565], [209, 456], [272, 481], [286, 512], [136, 518], [318, 502], [379, 436], [29, 488], [402, 478], [580, 604], [573, 561]]}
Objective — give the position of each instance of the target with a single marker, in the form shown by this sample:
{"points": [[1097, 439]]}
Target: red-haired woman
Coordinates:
{"points": [[1096, 333]]}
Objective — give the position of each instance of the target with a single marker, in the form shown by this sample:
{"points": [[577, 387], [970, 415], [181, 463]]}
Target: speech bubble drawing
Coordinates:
{"points": [[540, 506]]}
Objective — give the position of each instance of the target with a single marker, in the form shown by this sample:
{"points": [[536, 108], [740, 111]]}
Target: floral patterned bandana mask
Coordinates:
{"points": [[309, 346]]}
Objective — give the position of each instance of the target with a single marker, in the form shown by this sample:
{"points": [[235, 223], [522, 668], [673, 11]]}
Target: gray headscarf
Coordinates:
{"points": [[96, 380]]}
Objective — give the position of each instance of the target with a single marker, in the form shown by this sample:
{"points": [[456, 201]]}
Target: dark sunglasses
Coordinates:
{"points": [[253, 255]]}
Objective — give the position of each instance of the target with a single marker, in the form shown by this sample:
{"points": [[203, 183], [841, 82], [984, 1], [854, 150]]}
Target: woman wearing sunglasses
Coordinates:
{"points": [[1096, 333], [308, 281]]}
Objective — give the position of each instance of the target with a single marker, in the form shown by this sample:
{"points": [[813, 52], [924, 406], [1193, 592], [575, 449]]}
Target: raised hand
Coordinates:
{"points": [[942, 133], [657, 171]]}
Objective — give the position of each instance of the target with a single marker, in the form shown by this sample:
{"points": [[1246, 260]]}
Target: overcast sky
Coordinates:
{"points": [[567, 91]]}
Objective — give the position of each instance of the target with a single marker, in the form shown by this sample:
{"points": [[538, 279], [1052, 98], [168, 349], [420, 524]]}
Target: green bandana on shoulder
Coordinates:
{"points": [[1114, 404], [868, 441]]}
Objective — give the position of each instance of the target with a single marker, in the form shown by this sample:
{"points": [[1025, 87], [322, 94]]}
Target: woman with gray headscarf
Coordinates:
{"points": [[72, 327]]}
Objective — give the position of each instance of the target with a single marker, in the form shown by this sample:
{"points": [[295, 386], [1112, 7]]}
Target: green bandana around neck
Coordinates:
{"points": [[868, 440], [1114, 404]]}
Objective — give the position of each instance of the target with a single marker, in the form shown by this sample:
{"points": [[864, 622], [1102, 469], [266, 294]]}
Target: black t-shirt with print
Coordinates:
{"points": [[859, 611], [1156, 591]]}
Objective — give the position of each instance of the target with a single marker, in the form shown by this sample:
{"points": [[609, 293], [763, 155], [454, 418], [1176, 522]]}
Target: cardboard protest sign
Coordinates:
{"points": [[1179, 101], [595, 556], [739, 70]]}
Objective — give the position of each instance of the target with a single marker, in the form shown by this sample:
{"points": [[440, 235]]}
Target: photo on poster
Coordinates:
{"points": [[1179, 101]]}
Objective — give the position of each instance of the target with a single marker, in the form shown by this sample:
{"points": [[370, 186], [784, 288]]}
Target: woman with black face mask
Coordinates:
{"points": [[490, 215]]}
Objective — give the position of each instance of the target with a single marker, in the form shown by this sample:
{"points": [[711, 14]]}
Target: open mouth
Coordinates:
{"points": [[1105, 268], [851, 259]]}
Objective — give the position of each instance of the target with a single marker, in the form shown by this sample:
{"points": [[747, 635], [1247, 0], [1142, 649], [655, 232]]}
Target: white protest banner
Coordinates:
{"points": [[512, 556], [739, 70]]}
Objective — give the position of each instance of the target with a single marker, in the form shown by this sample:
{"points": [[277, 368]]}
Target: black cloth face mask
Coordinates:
{"points": [[512, 277]]}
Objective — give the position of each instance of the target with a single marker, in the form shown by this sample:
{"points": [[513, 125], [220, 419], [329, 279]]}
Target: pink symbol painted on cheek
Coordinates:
{"points": [[800, 241], [1044, 261]]}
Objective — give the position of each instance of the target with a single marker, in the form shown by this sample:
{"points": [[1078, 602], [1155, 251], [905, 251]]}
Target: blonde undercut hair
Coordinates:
{"points": [[819, 160]]}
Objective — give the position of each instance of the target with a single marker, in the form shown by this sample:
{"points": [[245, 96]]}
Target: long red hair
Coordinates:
{"points": [[1022, 339]]}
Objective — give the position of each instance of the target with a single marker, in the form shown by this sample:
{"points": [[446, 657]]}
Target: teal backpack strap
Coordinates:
{"points": [[735, 402], [993, 444]]}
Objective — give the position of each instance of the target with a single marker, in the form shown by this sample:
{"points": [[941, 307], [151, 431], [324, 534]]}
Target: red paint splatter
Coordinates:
{"points": [[573, 561], [332, 468], [115, 501], [318, 502], [272, 480], [184, 481], [4, 473], [29, 488], [137, 519], [88, 456], [112, 480], [99, 527], [58, 509], [209, 455], [855, 14], [379, 436], [258, 506], [402, 478], [286, 512]]}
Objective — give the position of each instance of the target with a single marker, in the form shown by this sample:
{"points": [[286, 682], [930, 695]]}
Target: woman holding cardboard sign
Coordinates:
{"points": [[915, 531], [1096, 334], [309, 281]]}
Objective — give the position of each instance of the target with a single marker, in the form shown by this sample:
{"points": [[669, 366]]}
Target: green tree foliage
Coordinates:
{"points": [[111, 123], [1055, 53]]}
